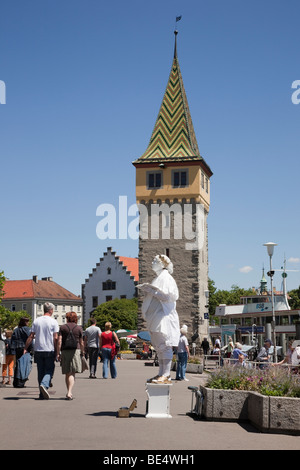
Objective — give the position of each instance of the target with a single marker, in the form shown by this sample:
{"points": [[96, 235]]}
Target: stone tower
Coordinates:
{"points": [[173, 195]]}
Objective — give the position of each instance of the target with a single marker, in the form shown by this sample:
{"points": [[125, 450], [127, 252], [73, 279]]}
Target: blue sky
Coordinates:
{"points": [[84, 83]]}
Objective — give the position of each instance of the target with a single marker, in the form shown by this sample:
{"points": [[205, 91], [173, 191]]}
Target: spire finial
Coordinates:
{"points": [[175, 48]]}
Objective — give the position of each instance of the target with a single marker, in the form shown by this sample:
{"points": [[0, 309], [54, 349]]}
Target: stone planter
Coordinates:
{"points": [[191, 368], [227, 405], [127, 356], [274, 414], [268, 414]]}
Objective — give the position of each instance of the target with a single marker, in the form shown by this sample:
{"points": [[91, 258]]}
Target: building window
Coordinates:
{"points": [[24, 306], [95, 302], [206, 184], [63, 308], [108, 270], [108, 298], [154, 179], [202, 180], [78, 308], [123, 297], [39, 306], [179, 178], [13, 307], [109, 285], [55, 308]]}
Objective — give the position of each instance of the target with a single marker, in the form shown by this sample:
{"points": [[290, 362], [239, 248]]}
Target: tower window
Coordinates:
{"points": [[154, 179], [179, 178]]}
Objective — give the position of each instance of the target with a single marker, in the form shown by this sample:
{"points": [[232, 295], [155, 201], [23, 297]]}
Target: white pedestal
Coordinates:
{"points": [[158, 404]]}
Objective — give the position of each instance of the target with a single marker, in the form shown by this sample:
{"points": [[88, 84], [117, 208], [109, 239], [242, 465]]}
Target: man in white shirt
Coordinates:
{"points": [[91, 342], [45, 332]]}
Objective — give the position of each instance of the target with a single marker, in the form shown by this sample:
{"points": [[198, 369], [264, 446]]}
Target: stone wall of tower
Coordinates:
{"points": [[190, 267]]}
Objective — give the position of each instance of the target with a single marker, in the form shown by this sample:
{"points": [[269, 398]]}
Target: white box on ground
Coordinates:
{"points": [[158, 404]]}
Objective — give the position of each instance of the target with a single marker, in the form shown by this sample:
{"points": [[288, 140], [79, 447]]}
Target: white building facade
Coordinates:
{"points": [[114, 277]]}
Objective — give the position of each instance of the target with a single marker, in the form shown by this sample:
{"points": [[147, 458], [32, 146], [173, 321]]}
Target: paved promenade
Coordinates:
{"points": [[89, 422]]}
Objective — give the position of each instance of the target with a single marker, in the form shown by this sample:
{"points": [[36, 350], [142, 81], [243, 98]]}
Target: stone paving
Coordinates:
{"points": [[90, 422]]}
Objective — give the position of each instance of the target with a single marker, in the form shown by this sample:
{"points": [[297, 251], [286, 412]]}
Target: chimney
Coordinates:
{"points": [[35, 279]]}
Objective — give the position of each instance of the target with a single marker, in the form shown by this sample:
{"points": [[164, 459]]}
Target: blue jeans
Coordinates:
{"points": [[45, 366], [106, 357], [181, 365]]}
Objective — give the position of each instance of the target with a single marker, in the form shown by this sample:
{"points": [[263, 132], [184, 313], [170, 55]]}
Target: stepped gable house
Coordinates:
{"points": [[114, 277]]}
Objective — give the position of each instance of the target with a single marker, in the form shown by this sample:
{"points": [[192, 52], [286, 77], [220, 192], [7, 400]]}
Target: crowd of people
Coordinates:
{"points": [[46, 342]]}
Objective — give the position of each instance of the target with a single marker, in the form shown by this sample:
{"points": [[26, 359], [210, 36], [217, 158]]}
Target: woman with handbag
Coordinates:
{"points": [[109, 343], [70, 350]]}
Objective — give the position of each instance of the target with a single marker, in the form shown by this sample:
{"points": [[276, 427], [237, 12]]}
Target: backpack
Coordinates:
{"points": [[71, 341]]}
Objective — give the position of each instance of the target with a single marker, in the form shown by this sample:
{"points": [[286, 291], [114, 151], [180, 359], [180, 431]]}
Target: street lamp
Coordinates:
{"points": [[270, 248]]}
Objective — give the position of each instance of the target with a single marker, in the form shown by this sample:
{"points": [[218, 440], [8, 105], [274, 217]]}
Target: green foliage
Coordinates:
{"points": [[273, 381], [2, 282], [123, 344], [9, 320], [122, 313], [294, 301]]}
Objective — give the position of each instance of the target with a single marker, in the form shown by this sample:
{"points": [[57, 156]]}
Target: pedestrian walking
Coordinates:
{"points": [[108, 344], [44, 331], [183, 354], [10, 356], [92, 337], [70, 349], [205, 346], [19, 338]]}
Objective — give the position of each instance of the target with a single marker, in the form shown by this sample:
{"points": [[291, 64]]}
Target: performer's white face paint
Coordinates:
{"points": [[157, 265]]}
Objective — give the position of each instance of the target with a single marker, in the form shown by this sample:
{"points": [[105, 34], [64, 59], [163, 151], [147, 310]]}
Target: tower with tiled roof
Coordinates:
{"points": [[173, 194]]}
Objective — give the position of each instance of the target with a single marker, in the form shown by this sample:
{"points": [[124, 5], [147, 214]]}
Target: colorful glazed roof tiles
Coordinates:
{"points": [[173, 138]]}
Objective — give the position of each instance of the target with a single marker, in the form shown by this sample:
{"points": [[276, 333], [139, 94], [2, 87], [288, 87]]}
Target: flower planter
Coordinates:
{"points": [[266, 413], [226, 405]]}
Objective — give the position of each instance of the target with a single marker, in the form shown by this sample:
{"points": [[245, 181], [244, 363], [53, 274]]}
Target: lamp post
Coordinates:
{"points": [[270, 248]]}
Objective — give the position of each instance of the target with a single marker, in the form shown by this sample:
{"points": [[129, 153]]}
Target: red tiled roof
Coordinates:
{"points": [[28, 289], [132, 265]]}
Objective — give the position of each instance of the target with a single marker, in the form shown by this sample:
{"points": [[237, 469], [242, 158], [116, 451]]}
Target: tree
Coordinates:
{"points": [[2, 282], [294, 299], [122, 313], [9, 320]]}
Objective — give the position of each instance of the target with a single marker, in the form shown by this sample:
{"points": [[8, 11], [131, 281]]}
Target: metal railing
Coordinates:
{"points": [[211, 361]]}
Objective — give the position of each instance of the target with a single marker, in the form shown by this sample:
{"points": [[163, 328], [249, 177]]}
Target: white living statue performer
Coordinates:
{"points": [[159, 311]]}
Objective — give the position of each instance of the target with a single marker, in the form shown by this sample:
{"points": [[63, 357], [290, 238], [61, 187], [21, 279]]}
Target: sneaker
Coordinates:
{"points": [[44, 392], [187, 380]]}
